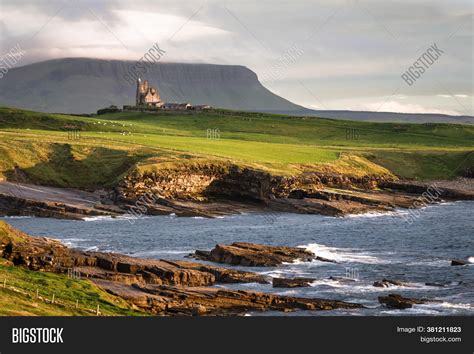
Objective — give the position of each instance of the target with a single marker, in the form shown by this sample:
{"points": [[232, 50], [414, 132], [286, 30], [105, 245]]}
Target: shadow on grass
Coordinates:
{"points": [[100, 168]]}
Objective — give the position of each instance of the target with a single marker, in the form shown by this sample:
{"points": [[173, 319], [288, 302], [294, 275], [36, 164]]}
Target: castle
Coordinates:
{"points": [[147, 95]]}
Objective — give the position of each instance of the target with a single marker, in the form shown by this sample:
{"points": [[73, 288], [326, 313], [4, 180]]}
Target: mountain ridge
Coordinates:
{"points": [[84, 85]]}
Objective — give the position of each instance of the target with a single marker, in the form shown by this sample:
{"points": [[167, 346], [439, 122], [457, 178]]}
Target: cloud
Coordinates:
{"points": [[354, 52], [395, 106]]}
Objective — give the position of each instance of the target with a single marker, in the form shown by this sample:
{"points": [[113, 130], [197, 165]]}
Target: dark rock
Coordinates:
{"points": [[159, 286], [292, 282], [322, 259], [396, 301], [386, 283], [440, 285], [224, 275], [297, 194], [458, 262], [342, 279], [178, 300], [255, 255]]}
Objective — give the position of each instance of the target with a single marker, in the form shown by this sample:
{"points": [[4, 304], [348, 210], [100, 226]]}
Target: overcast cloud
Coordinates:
{"points": [[351, 54]]}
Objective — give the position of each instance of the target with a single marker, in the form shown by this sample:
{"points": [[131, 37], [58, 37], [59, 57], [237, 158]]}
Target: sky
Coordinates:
{"points": [[331, 55]]}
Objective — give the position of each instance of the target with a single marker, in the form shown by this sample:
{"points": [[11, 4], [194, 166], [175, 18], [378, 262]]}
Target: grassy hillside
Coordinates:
{"points": [[18, 298], [108, 145], [19, 295]]}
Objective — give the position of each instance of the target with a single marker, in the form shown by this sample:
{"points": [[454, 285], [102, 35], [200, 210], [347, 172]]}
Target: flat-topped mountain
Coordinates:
{"points": [[83, 85]]}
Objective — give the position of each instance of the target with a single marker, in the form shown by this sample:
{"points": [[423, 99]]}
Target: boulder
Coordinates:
{"points": [[292, 282], [255, 255], [45, 254], [458, 262], [202, 301], [386, 283], [396, 301], [161, 286], [342, 279], [224, 275]]}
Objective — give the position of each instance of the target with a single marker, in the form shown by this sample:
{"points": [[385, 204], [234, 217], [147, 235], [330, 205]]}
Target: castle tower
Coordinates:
{"points": [[139, 91], [147, 94]]}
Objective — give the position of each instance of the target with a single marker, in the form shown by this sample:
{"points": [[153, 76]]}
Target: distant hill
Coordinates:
{"points": [[382, 117], [82, 85]]}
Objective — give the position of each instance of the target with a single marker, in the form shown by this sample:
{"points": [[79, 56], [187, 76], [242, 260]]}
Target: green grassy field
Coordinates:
{"points": [[18, 298], [19, 288], [110, 144]]}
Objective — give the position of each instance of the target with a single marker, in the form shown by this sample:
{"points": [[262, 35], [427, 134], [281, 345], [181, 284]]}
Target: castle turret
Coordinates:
{"points": [[139, 92], [146, 94]]}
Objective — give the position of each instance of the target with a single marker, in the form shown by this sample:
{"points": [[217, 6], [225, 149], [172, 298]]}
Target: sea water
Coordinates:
{"points": [[367, 247]]}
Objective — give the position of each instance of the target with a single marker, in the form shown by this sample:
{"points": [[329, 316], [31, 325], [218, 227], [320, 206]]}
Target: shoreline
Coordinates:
{"points": [[164, 287], [227, 280], [19, 199]]}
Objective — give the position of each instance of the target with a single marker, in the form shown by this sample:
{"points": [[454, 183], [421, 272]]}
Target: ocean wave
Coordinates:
{"points": [[460, 306], [98, 218], [430, 263], [161, 252], [124, 217], [373, 214], [415, 310], [72, 239], [282, 273], [342, 254], [92, 249], [357, 286]]}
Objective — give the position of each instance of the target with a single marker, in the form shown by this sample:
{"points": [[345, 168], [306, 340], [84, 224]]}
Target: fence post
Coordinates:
{"points": [[52, 300], [97, 312], [5, 282], [37, 293]]}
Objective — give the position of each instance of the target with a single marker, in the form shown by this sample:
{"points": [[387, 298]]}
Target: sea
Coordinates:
{"points": [[367, 247]]}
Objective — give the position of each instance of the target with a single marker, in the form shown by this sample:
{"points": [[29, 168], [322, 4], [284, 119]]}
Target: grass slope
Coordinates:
{"points": [[18, 297], [110, 144]]}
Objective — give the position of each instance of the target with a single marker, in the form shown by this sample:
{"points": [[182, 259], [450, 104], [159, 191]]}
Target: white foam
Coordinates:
{"points": [[328, 282], [342, 254], [93, 248], [74, 239], [157, 253], [359, 286], [431, 263], [447, 203], [97, 218], [456, 306], [470, 259], [372, 214], [415, 310], [72, 242], [132, 217]]}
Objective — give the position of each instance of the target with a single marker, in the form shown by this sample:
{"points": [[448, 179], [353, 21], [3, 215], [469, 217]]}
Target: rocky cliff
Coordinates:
{"points": [[160, 286], [211, 190]]}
